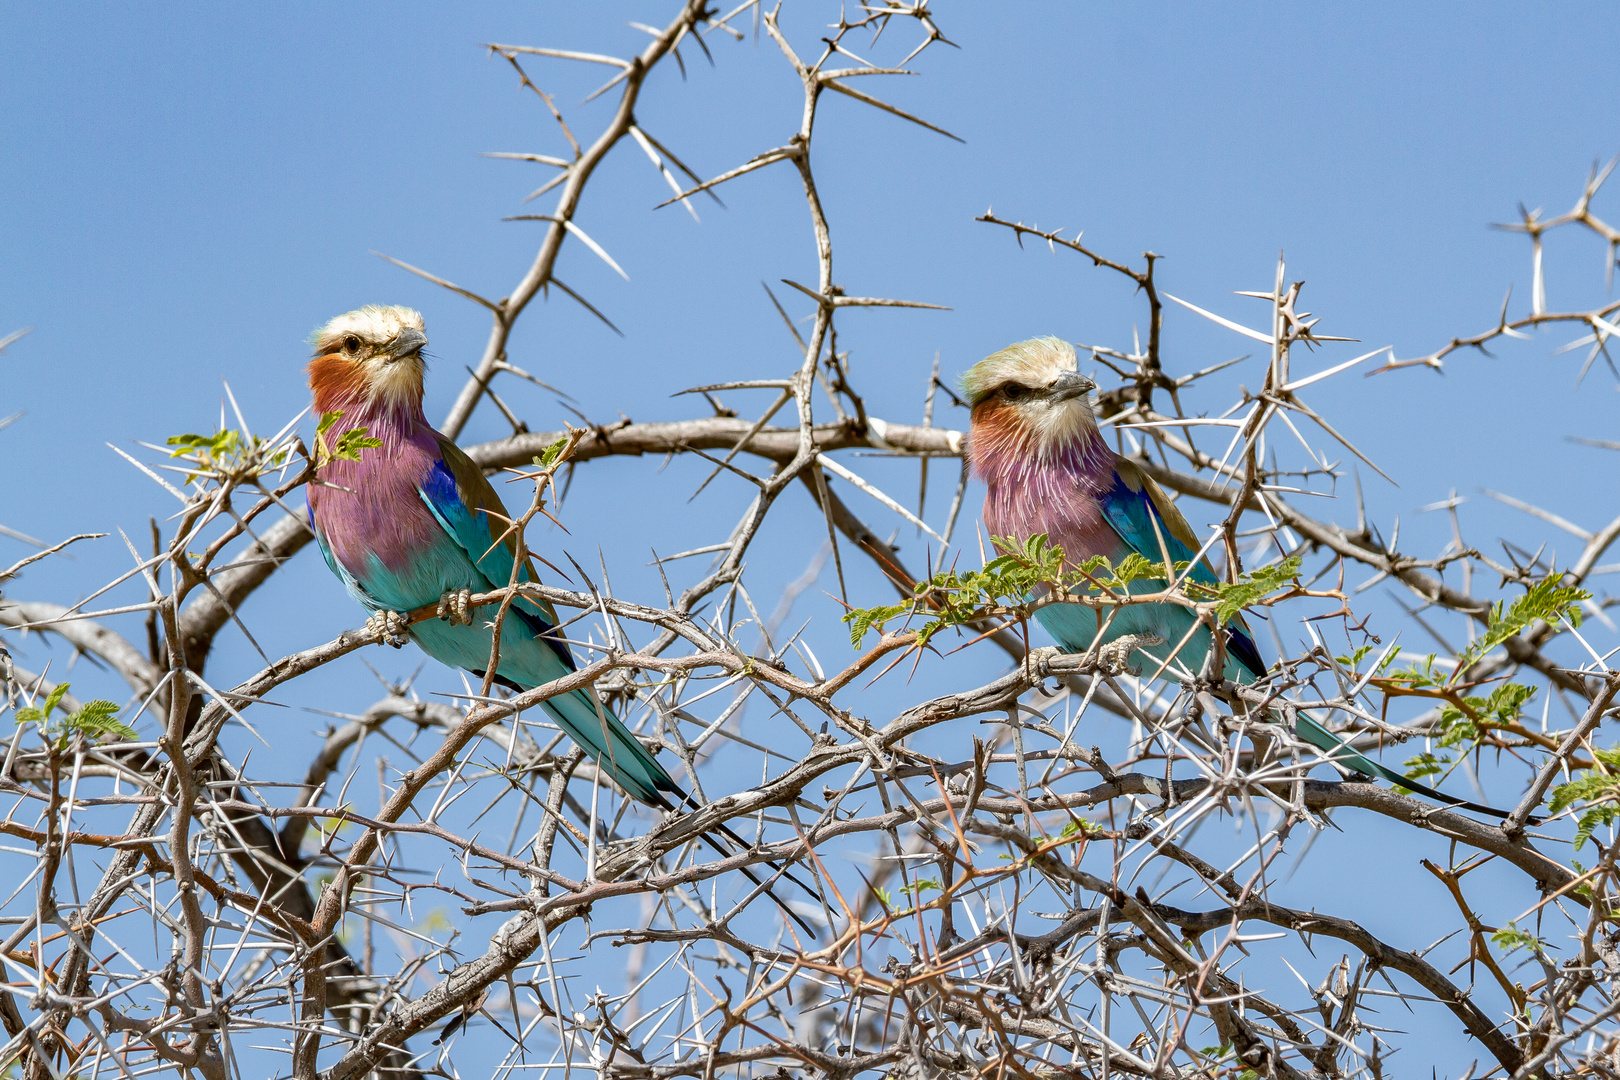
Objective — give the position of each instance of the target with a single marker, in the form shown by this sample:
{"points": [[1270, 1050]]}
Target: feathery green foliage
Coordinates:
{"points": [[1234, 596], [954, 598], [1510, 938], [225, 453], [548, 457], [1548, 600], [348, 445], [1021, 569], [218, 446], [93, 720], [1504, 706], [1599, 789], [1425, 764], [1467, 721]]}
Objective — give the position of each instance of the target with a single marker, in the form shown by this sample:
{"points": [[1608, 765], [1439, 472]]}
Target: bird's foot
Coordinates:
{"points": [[1038, 662], [389, 628], [1115, 657], [455, 607]]}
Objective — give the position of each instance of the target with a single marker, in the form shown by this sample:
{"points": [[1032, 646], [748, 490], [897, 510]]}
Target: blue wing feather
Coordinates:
{"points": [[1132, 509], [1134, 515], [470, 529]]}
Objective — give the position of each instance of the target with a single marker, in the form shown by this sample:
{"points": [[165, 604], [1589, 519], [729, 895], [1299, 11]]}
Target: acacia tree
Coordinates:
{"points": [[987, 905]]}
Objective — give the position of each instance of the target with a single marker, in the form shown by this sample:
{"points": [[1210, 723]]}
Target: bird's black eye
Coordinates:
{"points": [[351, 344], [1013, 391]]}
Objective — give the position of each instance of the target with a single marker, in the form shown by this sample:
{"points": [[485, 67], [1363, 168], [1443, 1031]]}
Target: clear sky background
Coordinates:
{"points": [[189, 189]]}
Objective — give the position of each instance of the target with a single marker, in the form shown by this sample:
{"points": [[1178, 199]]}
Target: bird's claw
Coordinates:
{"points": [[1038, 662], [388, 628], [455, 607], [1114, 658]]}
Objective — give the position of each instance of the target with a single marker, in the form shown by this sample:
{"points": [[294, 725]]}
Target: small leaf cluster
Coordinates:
{"points": [[1133, 567], [1233, 596], [922, 885], [953, 598], [548, 457], [1548, 600], [219, 446], [93, 720], [1599, 789], [1425, 764], [226, 452], [1419, 676], [1020, 569], [346, 447], [1073, 830], [1353, 660], [1467, 720], [1503, 707], [1510, 938]]}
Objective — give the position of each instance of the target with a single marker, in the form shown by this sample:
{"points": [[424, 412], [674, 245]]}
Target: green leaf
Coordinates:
{"points": [[1252, 587], [98, 718], [1593, 820], [1588, 788], [351, 442], [1599, 791], [55, 699], [1548, 600], [328, 419], [1510, 938], [861, 620], [1019, 571], [1354, 658], [221, 444], [1418, 676], [1425, 764], [550, 454], [348, 445], [94, 719], [1503, 707], [1136, 568]]}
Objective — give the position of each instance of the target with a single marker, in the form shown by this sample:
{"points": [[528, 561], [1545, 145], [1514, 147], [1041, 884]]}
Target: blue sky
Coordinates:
{"points": [[189, 189], [192, 189]]}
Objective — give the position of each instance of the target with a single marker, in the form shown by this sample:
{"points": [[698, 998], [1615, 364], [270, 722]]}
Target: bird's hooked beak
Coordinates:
{"points": [[408, 343], [1069, 386]]}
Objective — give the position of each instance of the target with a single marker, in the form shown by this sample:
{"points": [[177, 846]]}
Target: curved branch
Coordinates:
{"points": [[508, 310], [88, 636]]}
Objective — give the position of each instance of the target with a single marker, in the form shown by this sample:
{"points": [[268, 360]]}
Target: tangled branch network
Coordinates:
{"points": [[1106, 881]]}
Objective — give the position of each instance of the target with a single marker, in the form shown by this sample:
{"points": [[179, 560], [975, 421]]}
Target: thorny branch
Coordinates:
{"points": [[184, 910]]}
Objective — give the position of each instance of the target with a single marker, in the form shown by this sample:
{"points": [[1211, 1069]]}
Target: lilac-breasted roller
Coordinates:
{"points": [[414, 521], [1035, 444]]}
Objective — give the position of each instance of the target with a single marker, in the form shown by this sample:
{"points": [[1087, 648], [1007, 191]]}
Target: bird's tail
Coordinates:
{"points": [[614, 749], [751, 876], [631, 765], [1346, 756]]}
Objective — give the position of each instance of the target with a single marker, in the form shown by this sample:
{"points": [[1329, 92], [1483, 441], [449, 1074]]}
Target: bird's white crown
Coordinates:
{"points": [[374, 324]]}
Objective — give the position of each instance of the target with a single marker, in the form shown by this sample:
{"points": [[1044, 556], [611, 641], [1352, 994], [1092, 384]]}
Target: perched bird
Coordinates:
{"points": [[1035, 444], [412, 521]]}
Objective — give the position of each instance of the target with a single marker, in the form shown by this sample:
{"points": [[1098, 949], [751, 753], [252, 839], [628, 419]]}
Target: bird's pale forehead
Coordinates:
{"points": [[1034, 363], [373, 323]]}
